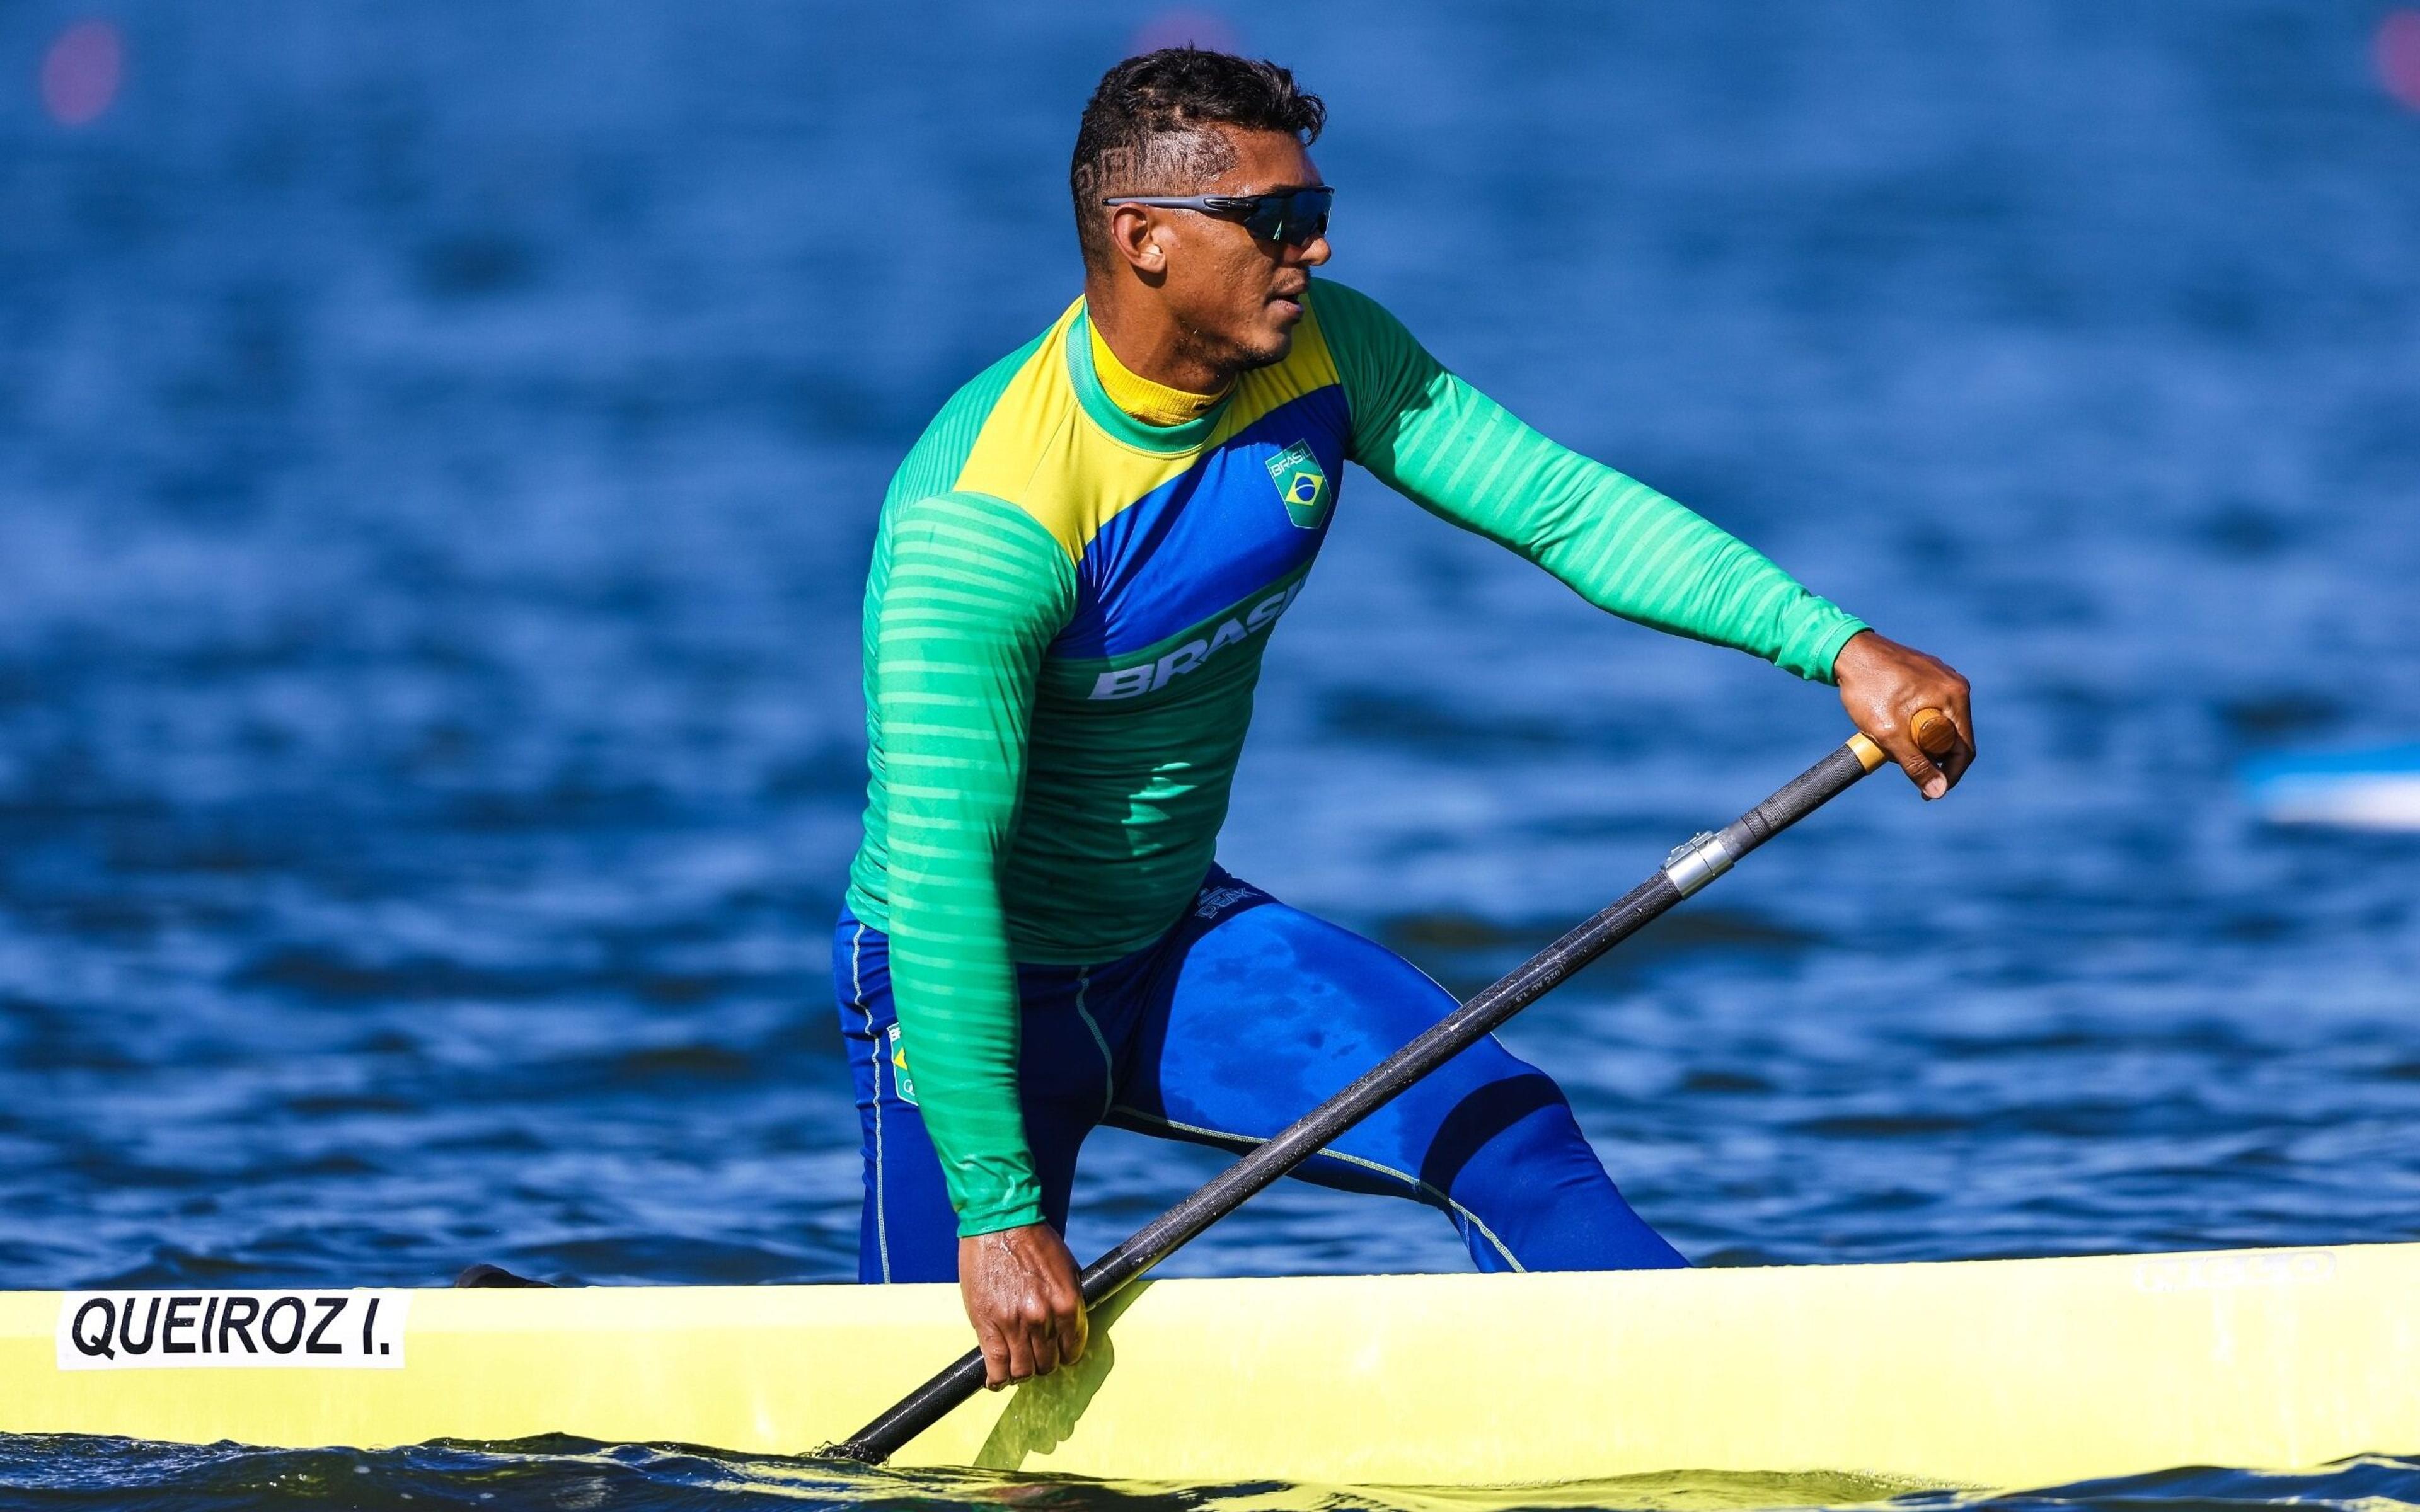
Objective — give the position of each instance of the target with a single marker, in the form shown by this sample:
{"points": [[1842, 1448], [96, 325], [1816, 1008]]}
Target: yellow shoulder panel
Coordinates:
{"points": [[1037, 452], [1032, 413], [1080, 486]]}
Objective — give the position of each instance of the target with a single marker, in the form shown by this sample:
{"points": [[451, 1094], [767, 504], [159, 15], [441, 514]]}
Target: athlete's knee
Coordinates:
{"points": [[1511, 1122], [1515, 1161]]}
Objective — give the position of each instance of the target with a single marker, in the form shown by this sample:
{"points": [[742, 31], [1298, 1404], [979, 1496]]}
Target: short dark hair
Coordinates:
{"points": [[1143, 129]]}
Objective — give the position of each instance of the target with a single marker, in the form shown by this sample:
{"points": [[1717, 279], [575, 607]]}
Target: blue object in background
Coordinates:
{"points": [[2376, 789]]}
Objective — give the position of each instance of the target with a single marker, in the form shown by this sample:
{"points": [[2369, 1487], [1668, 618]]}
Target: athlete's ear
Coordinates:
{"points": [[1131, 233]]}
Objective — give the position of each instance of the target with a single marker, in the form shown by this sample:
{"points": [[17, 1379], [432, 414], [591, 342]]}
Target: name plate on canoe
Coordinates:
{"points": [[232, 1330]]}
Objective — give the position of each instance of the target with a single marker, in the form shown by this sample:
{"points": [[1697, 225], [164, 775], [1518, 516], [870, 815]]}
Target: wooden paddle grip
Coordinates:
{"points": [[1934, 736]]}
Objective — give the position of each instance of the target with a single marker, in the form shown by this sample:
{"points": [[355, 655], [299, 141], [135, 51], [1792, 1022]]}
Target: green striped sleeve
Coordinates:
{"points": [[975, 590], [1617, 543]]}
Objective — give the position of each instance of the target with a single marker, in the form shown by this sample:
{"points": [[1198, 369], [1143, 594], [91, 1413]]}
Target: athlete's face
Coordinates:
{"points": [[1238, 298]]}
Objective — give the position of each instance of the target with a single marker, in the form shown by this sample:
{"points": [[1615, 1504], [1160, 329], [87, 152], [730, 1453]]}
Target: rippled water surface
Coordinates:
{"points": [[439, 448], [61, 1473]]}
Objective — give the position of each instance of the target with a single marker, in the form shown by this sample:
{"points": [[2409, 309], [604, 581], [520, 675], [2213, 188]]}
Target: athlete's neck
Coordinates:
{"points": [[1150, 347], [1153, 404]]}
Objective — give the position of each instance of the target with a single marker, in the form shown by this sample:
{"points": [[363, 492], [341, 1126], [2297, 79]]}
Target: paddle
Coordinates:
{"points": [[1690, 867]]}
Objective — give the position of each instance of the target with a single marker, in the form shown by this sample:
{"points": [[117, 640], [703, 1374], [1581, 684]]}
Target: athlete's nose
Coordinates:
{"points": [[1311, 253]]}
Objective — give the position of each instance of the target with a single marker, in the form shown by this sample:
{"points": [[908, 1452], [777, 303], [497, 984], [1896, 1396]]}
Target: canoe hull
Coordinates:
{"points": [[1982, 1373]]}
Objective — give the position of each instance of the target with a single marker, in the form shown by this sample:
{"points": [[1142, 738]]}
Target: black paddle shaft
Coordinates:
{"points": [[1689, 868]]}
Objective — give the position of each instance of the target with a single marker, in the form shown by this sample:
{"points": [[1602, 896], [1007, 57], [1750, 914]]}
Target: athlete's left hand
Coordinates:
{"points": [[1882, 685], [1026, 1299]]}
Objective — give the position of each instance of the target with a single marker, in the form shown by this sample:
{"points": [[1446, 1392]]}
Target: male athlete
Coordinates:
{"points": [[1077, 569]]}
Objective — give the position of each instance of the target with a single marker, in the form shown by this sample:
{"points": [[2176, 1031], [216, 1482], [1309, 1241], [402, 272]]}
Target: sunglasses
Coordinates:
{"points": [[1293, 216]]}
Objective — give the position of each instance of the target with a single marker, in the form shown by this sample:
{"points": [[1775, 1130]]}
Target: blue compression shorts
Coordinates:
{"points": [[1241, 1018]]}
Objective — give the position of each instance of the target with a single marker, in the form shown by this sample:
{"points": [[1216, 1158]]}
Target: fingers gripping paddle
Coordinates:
{"points": [[1690, 867]]}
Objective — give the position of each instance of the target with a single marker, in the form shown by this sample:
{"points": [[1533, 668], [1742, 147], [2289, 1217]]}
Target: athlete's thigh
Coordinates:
{"points": [[1267, 1010]]}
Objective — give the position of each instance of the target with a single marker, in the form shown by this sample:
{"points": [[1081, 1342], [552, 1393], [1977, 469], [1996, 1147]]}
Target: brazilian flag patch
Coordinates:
{"points": [[899, 1076], [1301, 484]]}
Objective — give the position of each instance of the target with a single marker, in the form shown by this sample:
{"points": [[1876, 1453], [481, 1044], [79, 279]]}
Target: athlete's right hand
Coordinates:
{"points": [[1023, 1296]]}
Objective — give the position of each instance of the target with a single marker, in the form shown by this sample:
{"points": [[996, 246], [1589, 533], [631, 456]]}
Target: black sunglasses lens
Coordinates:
{"points": [[1293, 218]]}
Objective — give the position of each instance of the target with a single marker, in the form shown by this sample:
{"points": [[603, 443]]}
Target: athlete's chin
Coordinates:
{"points": [[1270, 343]]}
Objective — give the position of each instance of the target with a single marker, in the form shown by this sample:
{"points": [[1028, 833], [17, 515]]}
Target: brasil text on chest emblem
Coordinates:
{"points": [[1301, 484]]}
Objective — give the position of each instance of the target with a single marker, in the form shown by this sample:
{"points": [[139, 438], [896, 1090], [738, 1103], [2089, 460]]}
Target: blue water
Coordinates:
{"points": [[438, 447]]}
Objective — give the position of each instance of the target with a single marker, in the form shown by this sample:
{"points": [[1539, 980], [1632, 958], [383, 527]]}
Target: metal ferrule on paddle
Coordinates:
{"points": [[1689, 868]]}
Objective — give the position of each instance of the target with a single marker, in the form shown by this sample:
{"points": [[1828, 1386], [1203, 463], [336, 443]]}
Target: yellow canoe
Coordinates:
{"points": [[1981, 1373]]}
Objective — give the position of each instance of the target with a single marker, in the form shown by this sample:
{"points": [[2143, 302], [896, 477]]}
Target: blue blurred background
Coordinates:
{"points": [[440, 445]]}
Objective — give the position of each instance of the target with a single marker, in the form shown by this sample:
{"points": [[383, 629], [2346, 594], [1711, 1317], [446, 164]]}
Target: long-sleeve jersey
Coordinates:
{"points": [[1064, 621]]}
